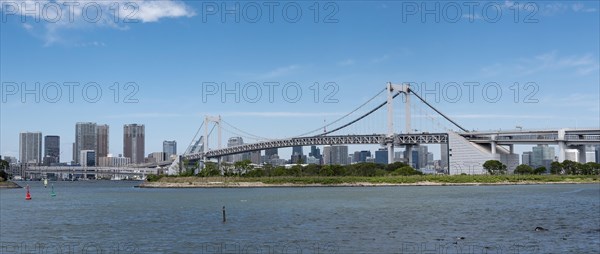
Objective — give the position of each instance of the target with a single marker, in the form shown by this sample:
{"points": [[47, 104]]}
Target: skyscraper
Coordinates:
{"points": [[335, 155], [542, 155], [51, 150], [381, 156], [269, 153], [297, 155], [526, 158], [102, 134], [170, 148], [235, 141], [134, 142], [30, 147], [361, 156], [85, 139]]}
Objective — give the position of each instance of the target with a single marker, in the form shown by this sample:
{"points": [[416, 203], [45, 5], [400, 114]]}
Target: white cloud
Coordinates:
{"points": [[56, 18], [346, 62], [380, 59], [579, 65], [279, 72]]}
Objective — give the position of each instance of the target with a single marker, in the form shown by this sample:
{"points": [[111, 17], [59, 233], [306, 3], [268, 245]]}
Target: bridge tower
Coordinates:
{"points": [[405, 89], [207, 121]]}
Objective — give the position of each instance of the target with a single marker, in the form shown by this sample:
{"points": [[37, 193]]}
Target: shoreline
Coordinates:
{"points": [[9, 185], [205, 184]]}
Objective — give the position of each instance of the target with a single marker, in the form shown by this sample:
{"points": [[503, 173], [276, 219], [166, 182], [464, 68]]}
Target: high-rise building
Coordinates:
{"points": [[269, 153], [51, 150], [297, 155], [572, 155], [235, 141], [134, 143], [315, 152], [85, 139], [30, 147], [88, 158], [526, 158], [361, 156], [170, 148], [255, 157], [381, 156], [335, 155], [444, 156], [102, 135], [542, 156]]}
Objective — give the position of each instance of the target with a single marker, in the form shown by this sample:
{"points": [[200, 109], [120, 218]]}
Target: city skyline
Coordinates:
{"points": [[172, 95]]}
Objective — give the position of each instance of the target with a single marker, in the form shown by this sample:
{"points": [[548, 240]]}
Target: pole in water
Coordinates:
{"points": [[224, 217]]}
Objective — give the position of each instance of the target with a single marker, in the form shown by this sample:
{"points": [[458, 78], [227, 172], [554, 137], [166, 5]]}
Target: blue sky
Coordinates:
{"points": [[174, 51]]}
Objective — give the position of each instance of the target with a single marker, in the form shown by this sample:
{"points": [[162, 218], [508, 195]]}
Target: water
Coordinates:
{"points": [[115, 217]]}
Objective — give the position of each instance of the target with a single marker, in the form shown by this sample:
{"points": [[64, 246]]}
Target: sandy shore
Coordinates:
{"points": [[9, 185], [204, 184]]}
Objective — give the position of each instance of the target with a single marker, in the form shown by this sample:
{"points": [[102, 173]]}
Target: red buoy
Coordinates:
{"points": [[28, 196]]}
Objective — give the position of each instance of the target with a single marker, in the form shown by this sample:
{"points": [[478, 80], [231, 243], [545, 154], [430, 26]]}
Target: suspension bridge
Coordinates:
{"points": [[463, 151]]}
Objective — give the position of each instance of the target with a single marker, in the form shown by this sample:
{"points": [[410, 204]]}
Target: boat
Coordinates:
{"points": [[45, 182]]}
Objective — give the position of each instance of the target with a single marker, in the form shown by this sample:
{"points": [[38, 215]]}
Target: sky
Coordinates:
{"points": [[281, 69]]}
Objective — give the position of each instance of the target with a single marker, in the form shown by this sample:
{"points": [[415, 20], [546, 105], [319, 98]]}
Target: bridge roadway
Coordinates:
{"points": [[532, 137], [399, 139]]}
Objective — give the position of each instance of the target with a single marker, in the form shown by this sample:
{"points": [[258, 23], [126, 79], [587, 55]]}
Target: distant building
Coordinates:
{"points": [[134, 143], [381, 156], [269, 153], [30, 148], [102, 136], [542, 156], [111, 161], [235, 141], [444, 157], [88, 158], [572, 155], [597, 152], [312, 160], [255, 157], [51, 150], [85, 139], [11, 159], [361, 156], [315, 152], [157, 157], [297, 155], [526, 158], [170, 148], [337, 155]]}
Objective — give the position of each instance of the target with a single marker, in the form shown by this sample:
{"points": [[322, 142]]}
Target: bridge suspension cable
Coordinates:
{"points": [[252, 136], [341, 118], [439, 112], [194, 138], [357, 119]]}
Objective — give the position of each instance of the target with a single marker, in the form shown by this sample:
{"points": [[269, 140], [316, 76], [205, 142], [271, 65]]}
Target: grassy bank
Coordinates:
{"points": [[349, 180]]}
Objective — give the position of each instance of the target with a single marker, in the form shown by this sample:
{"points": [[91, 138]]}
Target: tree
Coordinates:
{"points": [[570, 167], [556, 168], [494, 167], [539, 170], [524, 170], [3, 167], [210, 169], [243, 166], [406, 171]]}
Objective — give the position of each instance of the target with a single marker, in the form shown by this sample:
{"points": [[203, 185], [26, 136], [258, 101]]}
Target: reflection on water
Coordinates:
{"points": [[115, 217]]}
